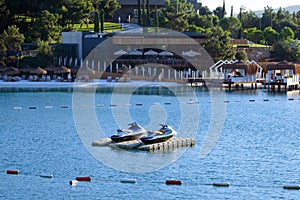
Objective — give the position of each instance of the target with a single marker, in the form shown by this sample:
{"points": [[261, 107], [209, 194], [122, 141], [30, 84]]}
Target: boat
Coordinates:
{"points": [[163, 134], [133, 132]]}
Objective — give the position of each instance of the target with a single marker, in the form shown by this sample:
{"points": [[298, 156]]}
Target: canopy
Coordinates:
{"points": [[120, 52], [190, 53], [166, 53], [135, 53], [26, 69], [38, 71], [150, 53], [62, 70], [11, 71]]}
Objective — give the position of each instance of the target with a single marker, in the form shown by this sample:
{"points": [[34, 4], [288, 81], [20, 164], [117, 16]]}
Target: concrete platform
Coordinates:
{"points": [[170, 144]]}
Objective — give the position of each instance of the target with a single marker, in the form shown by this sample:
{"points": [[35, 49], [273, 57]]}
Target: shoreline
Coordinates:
{"points": [[95, 83]]}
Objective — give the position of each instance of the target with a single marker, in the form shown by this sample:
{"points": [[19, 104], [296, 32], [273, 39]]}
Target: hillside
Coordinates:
{"points": [[291, 9]]}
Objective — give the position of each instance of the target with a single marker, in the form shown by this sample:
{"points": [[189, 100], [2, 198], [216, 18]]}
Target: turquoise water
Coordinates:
{"points": [[258, 150]]}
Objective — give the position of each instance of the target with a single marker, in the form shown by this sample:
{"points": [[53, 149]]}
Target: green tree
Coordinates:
{"points": [[12, 39], [110, 6], [44, 53], [231, 24], [286, 33], [254, 35], [102, 20], [74, 11], [288, 49], [204, 11], [271, 36], [218, 45], [176, 14], [241, 55], [96, 22], [218, 12], [250, 20], [203, 21], [267, 17], [46, 27]]}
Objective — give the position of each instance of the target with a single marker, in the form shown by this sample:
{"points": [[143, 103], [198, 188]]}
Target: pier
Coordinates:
{"points": [[170, 144]]}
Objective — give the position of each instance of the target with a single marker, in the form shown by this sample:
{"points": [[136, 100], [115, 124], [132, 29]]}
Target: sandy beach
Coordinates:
{"points": [[95, 83]]}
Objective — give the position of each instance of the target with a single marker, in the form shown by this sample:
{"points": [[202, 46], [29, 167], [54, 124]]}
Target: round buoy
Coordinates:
{"points": [[167, 103], [139, 104], [128, 180], [17, 108], [251, 100], [291, 99], [173, 182], [113, 104], [73, 182], [221, 184], [48, 107], [64, 107], [12, 171], [292, 187], [32, 107], [226, 101], [266, 99], [84, 178]]}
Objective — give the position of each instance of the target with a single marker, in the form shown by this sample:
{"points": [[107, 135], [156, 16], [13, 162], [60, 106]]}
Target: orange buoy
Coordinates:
{"points": [[173, 182], [12, 171], [84, 178]]}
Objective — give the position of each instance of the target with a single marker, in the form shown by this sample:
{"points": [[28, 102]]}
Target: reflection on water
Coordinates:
{"points": [[257, 152]]}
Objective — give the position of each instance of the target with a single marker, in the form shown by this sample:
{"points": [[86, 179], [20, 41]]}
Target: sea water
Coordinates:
{"points": [[256, 143]]}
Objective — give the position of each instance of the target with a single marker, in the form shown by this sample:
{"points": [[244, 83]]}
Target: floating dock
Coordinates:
{"points": [[170, 144]]}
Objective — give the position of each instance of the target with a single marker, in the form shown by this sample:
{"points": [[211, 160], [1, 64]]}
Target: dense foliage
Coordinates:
{"points": [[42, 21]]}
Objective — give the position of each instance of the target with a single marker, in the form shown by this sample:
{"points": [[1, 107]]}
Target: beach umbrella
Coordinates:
{"points": [[12, 71], [38, 71], [3, 68], [50, 68], [62, 70], [150, 53], [190, 53], [120, 52], [26, 69], [166, 53], [135, 53]]}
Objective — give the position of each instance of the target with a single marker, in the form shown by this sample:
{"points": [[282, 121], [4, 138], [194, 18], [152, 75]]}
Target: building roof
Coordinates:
{"points": [[134, 2]]}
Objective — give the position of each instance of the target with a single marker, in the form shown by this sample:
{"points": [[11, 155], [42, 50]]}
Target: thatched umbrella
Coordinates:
{"points": [[38, 71], [85, 72], [3, 68], [283, 65], [62, 71], [26, 69], [12, 71]]}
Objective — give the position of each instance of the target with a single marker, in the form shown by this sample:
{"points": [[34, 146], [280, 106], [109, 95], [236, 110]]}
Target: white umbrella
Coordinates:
{"points": [[120, 52], [166, 53], [150, 53], [135, 53], [190, 53]]}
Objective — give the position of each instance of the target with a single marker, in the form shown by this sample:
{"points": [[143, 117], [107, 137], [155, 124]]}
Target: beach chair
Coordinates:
{"points": [[48, 78], [4, 78], [109, 79], [43, 78], [35, 78], [30, 78]]}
